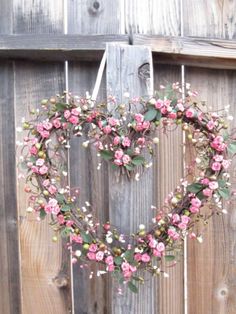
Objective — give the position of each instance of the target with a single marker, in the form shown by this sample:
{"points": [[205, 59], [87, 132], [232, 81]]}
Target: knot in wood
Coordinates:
{"points": [[144, 71], [94, 7], [61, 281]]}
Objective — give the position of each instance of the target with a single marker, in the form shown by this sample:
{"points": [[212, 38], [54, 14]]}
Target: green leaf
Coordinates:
{"points": [[129, 167], [129, 151], [65, 208], [60, 198], [42, 214], [118, 260], [138, 160], [60, 106], [232, 148], [106, 154], [129, 255], [132, 287], [195, 187], [150, 114], [114, 167], [65, 232], [169, 258], [224, 192], [158, 116], [86, 237], [221, 183]]}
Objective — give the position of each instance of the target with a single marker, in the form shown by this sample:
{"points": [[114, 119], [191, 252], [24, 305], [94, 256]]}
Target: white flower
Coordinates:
{"points": [[29, 210], [141, 227], [85, 144], [78, 253]]}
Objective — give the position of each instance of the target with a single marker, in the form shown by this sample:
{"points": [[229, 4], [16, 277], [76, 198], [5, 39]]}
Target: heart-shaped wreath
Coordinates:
{"points": [[125, 138]]}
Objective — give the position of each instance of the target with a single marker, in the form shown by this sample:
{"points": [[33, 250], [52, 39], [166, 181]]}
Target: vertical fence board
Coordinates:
{"points": [[10, 300], [9, 252], [168, 171], [130, 201], [42, 261], [211, 265], [87, 17], [153, 17]]}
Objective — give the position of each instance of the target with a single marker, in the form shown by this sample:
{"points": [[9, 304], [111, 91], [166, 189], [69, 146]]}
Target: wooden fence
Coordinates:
{"points": [[36, 38]]}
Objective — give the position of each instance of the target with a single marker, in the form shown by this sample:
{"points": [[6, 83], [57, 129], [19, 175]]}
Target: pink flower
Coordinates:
{"points": [[61, 219], [127, 274], [146, 125], [116, 140], [52, 189], [180, 107], [76, 238], [91, 256], [93, 248], [43, 170], [218, 158], [152, 243], [99, 256], [172, 115], [126, 142], [218, 143], [35, 169], [39, 127], [53, 202], [139, 117], [75, 111], [145, 258], [33, 150], [173, 234], [125, 266], [159, 104], [194, 209], [109, 260], [190, 113], [47, 125], [216, 166], [113, 122], [138, 257], [55, 210], [39, 162], [107, 129], [213, 185], [73, 119], [185, 219], [45, 134], [205, 181], [67, 114], [207, 192], [160, 247], [196, 202], [111, 267], [118, 162], [175, 218], [139, 126], [48, 208], [141, 140], [126, 159], [132, 268], [46, 182], [210, 125], [119, 154], [156, 253], [226, 164], [182, 226]]}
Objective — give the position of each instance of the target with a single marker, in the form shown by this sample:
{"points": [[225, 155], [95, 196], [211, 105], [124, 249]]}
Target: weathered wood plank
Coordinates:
{"points": [[168, 169], [194, 51], [44, 264], [130, 199], [10, 300], [152, 17], [90, 295], [214, 19], [42, 260], [91, 17], [212, 264]]}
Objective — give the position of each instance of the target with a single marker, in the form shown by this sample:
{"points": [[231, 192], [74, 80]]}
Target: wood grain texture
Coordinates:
{"points": [[43, 263], [168, 169], [211, 265], [153, 17], [42, 260], [90, 295], [130, 201], [10, 300], [209, 18], [95, 17]]}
